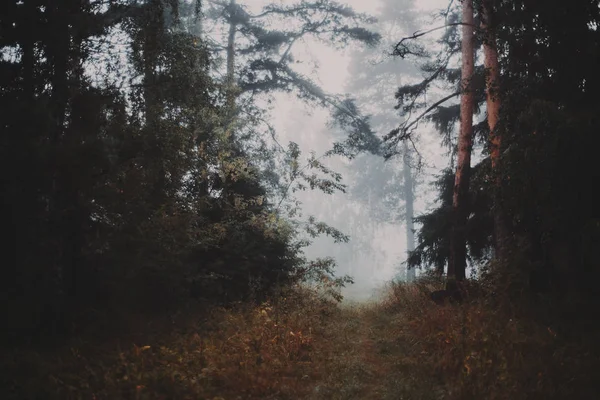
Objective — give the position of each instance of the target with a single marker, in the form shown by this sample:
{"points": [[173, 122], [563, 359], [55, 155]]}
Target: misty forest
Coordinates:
{"points": [[299, 199]]}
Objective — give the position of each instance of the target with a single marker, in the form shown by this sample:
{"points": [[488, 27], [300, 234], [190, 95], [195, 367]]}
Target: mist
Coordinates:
{"points": [[377, 248]]}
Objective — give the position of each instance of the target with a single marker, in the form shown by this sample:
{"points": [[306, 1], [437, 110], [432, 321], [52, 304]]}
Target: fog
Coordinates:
{"points": [[377, 248]]}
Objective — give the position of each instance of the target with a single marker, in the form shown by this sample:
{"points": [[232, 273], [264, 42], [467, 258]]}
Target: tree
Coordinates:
{"points": [[546, 106], [409, 200], [493, 103], [458, 262], [387, 189], [260, 56], [125, 194], [444, 115]]}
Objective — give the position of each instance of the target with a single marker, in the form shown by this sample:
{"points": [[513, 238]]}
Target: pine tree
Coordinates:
{"points": [[458, 253]]}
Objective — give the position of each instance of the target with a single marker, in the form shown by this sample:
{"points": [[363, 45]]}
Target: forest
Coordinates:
{"points": [[171, 233]]}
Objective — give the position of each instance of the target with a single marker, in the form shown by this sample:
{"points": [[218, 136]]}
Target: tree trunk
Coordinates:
{"points": [[409, 199], [230, 82], [457, 263], [153, 30], [61, 205], [493, 101], [154, 24]]}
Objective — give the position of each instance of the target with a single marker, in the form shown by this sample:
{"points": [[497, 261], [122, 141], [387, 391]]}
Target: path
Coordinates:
{"points": [[362, 358]]}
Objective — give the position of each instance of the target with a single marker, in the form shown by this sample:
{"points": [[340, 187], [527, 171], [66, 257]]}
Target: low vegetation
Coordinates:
{"points": [[484, 348], [307, 346], [241, 352]]}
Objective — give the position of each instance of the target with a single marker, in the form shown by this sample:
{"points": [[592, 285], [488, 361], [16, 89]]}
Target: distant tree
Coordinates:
{"points": [[260, 47], [389, 196]]}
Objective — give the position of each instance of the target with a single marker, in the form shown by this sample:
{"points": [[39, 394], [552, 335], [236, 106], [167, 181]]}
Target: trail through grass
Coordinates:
{"points": [[365, 358], [307, 347]]}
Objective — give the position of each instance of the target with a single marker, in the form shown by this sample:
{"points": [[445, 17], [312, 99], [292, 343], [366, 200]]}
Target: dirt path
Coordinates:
{"points": [[361, 357]]}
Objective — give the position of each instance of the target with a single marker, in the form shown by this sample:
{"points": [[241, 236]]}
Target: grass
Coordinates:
{"points": [[306, 347]]}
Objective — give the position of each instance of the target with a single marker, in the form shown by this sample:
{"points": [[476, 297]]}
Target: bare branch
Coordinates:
{"points": [[401, 50], [406, 126]]}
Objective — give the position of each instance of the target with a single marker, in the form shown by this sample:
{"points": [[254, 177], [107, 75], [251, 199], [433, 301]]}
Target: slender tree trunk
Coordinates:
{"points": [[153, 30], [457, 264], [490, 53], [230, 82], [493, 101], [409, 199], [61, 208], [153, 26]]}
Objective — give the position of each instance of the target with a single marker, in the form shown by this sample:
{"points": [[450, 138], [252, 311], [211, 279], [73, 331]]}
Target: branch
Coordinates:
{"points": [[296, 175], [270, 127], [402, 53], [278, 11], [406, 127]]}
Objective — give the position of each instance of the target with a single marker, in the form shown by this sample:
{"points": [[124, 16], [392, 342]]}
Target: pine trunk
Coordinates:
{"points": [[493, 101], [409, 199], [457, 263]]}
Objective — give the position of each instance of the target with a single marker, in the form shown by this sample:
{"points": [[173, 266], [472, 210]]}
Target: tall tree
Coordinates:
{"points": [[409, 199], [118, 201], [493, 102], [458, 252]]}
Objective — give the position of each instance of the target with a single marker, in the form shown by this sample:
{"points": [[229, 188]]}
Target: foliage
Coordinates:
{"points": [[434, 245], [122, 189]]}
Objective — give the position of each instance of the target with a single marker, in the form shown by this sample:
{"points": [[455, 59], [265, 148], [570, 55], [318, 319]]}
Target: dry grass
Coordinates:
{"points": [[256, 352], [305, 347], [476, 351]]}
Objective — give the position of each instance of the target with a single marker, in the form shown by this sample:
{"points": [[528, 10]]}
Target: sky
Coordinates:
{"points": [[294, 121]]}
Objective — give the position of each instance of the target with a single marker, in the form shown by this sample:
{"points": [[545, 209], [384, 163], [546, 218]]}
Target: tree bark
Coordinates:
{"points": [[457, 263], [490, 53], [493, 101], [409, 199], [153, 30]]}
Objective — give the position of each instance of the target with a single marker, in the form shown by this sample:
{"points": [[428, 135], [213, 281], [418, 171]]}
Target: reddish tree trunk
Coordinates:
{"points": [[457, 263], [493, 101], [490, 53]]}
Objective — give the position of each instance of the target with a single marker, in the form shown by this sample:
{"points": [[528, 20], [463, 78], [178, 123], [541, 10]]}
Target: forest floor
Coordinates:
{"points": [[307, 347], [366, 359]]}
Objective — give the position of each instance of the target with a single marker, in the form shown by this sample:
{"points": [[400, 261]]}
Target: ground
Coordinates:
{"points": [[302, 346], [366, 358]]}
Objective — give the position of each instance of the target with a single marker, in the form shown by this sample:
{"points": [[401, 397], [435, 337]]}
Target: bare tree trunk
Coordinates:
{"points": [[457, 264], [493, 101], [153, 30], [230, 80], [490, 53], [409, 198]]}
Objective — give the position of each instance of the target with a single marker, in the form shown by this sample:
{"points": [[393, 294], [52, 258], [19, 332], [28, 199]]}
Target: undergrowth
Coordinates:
{"points": [[306, 346], [249, 352], [481, 350]]}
